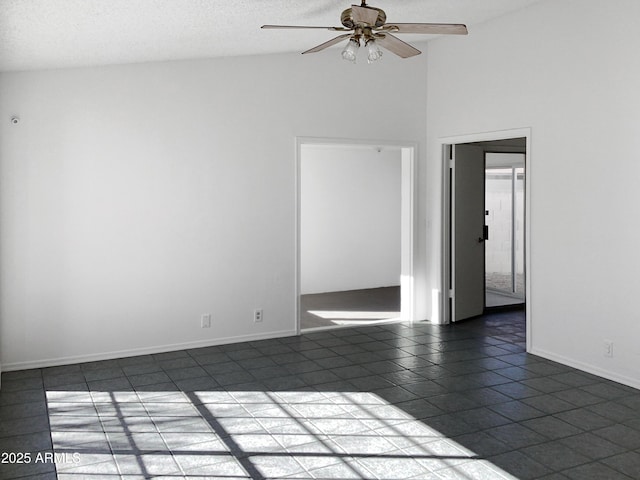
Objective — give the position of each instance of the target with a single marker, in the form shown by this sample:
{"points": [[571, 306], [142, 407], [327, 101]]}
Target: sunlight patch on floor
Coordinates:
{"points": [[348, 317], [250, 434]]}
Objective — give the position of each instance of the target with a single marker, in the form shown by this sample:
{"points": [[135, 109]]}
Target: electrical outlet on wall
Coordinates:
{"points": [[205, 320], [608, 348], [257, 315]]}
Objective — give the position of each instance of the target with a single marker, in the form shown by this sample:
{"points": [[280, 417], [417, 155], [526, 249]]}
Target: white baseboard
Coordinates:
{"points": [[54, 362], [586, 367]]}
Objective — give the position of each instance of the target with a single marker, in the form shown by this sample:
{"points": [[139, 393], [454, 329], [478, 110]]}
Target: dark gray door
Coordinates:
{"points": [[467, 244]]}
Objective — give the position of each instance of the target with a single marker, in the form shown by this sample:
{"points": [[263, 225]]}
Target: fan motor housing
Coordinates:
{"points": [[347, 18]]}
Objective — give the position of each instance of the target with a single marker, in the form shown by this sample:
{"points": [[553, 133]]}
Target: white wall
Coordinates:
{"points": [[350, 217], [135, 198], [569, 70]]}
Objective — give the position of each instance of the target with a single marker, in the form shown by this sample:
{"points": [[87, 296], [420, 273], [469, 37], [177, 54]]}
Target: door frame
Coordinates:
{"points": [[446, 144], [408, 210]]}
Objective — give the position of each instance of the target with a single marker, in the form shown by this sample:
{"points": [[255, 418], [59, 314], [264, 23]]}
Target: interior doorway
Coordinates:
{"points": [[483, 254], [354, 245]]}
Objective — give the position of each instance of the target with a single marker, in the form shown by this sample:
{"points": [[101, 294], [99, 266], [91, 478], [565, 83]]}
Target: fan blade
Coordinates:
{"points": [[397, 46], [334, 29], [428, 28], [364, 15], [324, 45]]}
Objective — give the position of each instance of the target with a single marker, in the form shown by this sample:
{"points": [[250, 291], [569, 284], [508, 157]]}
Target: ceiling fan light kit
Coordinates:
{"points": [[373, 51], [351, 50], [369, 25]]}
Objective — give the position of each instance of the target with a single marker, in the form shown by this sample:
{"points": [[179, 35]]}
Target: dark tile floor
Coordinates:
{"points": [[388, 402]]}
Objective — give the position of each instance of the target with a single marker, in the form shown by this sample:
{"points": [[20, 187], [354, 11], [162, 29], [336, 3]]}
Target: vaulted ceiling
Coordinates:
{"points": [[41, 34]]}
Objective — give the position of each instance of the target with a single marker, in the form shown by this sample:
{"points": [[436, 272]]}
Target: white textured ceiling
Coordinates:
{"points": [[39, 34]]}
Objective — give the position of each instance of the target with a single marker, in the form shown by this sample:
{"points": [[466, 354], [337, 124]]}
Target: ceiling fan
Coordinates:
{"points": [[369, 25]]}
